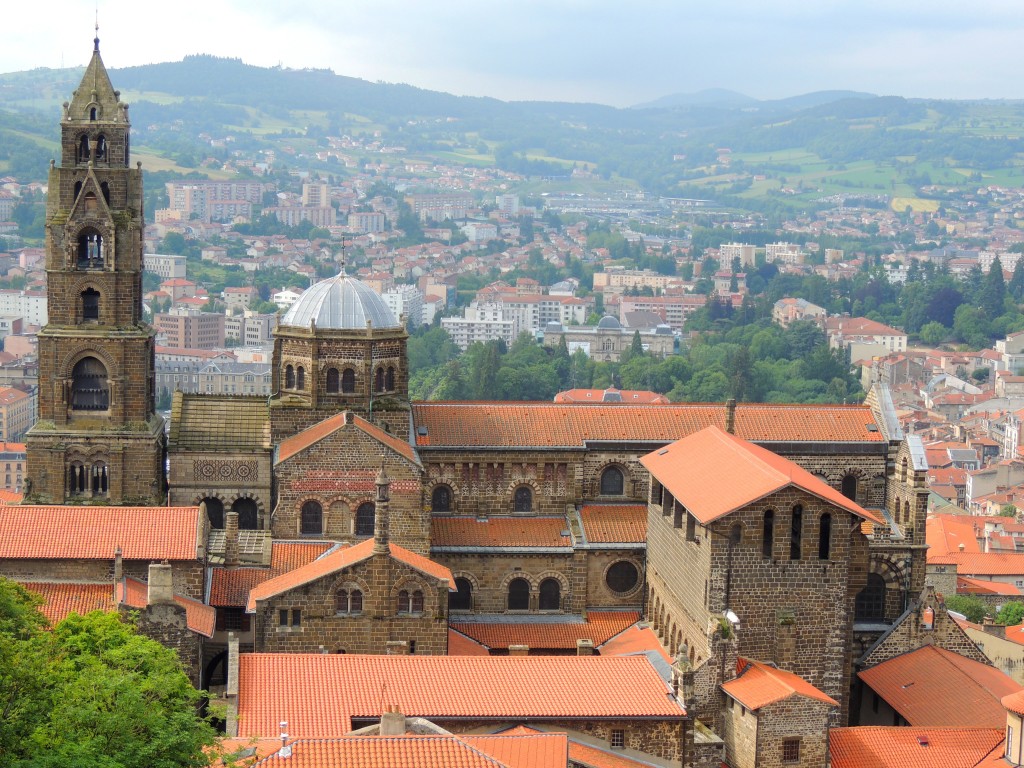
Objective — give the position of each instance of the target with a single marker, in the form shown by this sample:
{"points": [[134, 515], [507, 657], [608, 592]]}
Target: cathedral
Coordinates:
{"points": [[337, 516]]}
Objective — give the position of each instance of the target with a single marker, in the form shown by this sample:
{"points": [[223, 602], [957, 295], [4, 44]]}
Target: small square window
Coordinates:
{"points": [[618, 738], [790, 750], [296, 617]]}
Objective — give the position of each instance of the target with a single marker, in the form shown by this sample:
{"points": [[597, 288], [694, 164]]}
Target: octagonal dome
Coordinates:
{"points": [[340, 303]]}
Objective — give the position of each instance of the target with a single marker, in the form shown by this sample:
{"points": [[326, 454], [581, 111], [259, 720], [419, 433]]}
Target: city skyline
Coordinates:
{"points": [[562, 50]]}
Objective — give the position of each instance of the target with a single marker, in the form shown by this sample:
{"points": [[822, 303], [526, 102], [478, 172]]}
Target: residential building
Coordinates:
{"points": [[17, 413], [165, 266], [191, 329]]}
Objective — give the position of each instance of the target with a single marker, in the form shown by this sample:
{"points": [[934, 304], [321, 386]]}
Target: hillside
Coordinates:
{"points": [[781, 154]]}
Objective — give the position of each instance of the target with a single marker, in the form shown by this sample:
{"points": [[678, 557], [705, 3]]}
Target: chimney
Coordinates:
{"points": [[519, 650], [397, 648], [232, 685], [231, 538], [730, 415], [992, 628], [382, 520], [584, 647], [118, 565], [392, 722], [161, 584]]}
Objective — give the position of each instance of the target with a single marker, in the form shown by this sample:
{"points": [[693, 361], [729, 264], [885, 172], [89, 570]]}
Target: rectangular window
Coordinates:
{"points": [[618, 738], [791, 750], [282, 617], [296, 617], [232, 619], [1009, 742]]}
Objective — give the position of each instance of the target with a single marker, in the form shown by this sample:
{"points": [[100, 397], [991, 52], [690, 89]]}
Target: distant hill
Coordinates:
{"points": [[723, 98]]}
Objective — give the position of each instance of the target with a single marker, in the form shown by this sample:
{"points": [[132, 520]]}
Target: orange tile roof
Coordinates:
{"points": [[319, 694], [901, 747], [1014, 702], [587, 756], [199, 617], [10, 497], [231, 586], [63, 598], [93, 533], [423, 751], [713, 473], [945, 533], [314, 434], [544, 425], [982, 563], [934, 687], [335, 561], [460, 645], [599, 627], [523, 749], [615, 523], [499, 532], [759, 684], [969, 586], [626, 396], [634, 640]]}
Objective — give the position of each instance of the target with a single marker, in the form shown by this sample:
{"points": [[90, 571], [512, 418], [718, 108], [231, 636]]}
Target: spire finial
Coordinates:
{"points": [[343, 255], [96, 40]]}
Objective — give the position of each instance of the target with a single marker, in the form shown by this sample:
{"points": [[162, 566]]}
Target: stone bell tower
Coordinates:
{"points": [[98, 438]]}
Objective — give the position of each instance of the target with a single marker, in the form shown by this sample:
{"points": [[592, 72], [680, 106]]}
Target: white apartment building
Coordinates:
{"points": [[167, 266], [405, 301], [729, 251], [483, 323], [28, 305], [787, 253]]}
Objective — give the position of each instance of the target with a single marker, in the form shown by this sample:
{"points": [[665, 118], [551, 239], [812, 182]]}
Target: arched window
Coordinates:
{"points": [[736, 534], [83, 149], [300, 378], [378, 383], [348, 381], [348, 601], [99, 479], [612, 482], [312, 519], [90, 390], [550, 595], [522, 499], [796, 532], [289, 377], [101, 148], [768, 533], [463, 599], [90, 304], [365, 516], [90, 249], [389, 380], [849, 487], [518, 595], [77, 481], [214, 512], [824, 536], [93, 114], [248, 514], [105, 189], [333, 381], [441, 499], [78, 189], [410, 601], [870, 602]]}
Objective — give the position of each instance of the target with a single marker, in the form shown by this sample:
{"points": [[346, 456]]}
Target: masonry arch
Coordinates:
{"points": [[249, 510], [612, 480], [466, 586]]}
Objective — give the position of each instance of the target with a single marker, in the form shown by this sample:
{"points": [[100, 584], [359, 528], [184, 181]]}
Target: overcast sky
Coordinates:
{"points": [[618, 52]]}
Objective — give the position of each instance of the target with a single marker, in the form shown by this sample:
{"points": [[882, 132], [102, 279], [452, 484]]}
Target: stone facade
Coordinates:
{"points": [[98, 436], [165, 623]]}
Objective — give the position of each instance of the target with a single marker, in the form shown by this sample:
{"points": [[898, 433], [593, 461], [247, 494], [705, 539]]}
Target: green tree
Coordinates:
{"points": [[972, 607], [993, 290], [93, 692], [1011, 614], [933, 333]]}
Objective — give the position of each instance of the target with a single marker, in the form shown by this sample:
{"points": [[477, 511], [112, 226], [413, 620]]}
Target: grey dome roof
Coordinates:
{"points": [[340, 303], [608, 322]]}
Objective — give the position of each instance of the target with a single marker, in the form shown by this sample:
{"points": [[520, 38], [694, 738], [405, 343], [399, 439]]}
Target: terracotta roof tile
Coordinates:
{"points": [[599, 627], [217, 422], [423, 751], [63, 598], [1014, 702], [615, 523], [499, 532], [713, 473], [901, 747], [460, 645], [199, 617], [945, 534], [93, 533], [759, 684], [314, 434], [544, 425], [231, 586], [935, 687], [10, 497], [634, 640], [968, 586], [982, 563], [587, 756], [343, 558], [319, 694]]}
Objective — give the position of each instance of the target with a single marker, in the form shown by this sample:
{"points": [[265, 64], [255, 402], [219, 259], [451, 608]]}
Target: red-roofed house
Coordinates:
{"points": [[732, 528]]}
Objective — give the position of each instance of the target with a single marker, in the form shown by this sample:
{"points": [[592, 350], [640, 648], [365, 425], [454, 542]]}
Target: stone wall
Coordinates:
{"points": [[795, 718], [165, 623]]}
